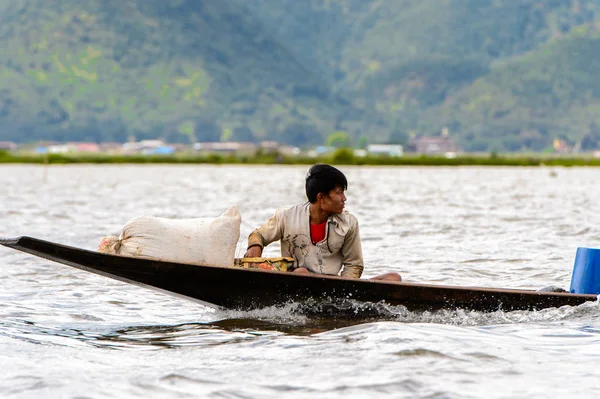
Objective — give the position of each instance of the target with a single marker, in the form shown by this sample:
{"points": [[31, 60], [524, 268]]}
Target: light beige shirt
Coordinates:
{"points": [[340, 250]]}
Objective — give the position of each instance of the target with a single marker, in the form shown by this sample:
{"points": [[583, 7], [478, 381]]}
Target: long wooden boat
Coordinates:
{"points": [[239, 288]]}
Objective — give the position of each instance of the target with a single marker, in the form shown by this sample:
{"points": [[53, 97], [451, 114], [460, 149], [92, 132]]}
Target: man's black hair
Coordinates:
{"points": [[322, 178]]}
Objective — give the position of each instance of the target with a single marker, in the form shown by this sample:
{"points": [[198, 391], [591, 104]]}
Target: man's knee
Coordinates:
{"points": [[302, 270], [388, 277]]}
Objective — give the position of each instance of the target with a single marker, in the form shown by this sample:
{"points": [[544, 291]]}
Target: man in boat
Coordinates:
{"points": [[319, 234]]}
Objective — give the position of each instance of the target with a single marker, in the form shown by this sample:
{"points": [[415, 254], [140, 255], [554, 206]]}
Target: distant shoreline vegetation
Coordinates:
{"points": [[339, 157]]}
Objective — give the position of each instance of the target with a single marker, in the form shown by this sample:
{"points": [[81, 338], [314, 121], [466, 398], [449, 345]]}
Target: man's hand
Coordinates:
{"points": [[254, 251]]}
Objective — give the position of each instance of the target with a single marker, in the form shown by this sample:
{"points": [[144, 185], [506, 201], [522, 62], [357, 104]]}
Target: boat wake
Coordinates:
{"points": [[294, 318], [337, 313]]}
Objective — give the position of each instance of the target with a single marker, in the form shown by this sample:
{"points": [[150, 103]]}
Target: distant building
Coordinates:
{"points": [[269, 145], [55, 149], [161, 150], [151, 143], [42, 147], [130, 148], [320, 150], [561, 146], [180, 147], [434, 145], [64, 148], [289, 150], [110, 147], [8, 145], [148, 147], [226, 147], [392, 150], [82, 147]]}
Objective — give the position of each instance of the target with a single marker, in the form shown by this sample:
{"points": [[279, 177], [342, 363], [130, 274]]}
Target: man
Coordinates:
{"points": [[319, 234]]}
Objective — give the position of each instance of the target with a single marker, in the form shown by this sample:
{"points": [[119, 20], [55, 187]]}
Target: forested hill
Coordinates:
{"points": [[501, 75]]}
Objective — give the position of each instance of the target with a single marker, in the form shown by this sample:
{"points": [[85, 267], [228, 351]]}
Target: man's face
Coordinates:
{"points": [[334, 201]]}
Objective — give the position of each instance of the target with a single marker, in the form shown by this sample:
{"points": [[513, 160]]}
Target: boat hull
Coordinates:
{"points": [[238, 288]]}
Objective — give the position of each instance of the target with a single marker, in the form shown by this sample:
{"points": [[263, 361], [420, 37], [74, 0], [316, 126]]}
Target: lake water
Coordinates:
{"points": [[71, 334]]}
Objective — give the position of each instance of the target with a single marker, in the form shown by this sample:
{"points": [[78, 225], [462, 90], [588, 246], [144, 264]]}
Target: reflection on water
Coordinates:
{"points": [[294, 319]]}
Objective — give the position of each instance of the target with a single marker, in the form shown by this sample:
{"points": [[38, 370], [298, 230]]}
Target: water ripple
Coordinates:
{"points": [[491, 227]]}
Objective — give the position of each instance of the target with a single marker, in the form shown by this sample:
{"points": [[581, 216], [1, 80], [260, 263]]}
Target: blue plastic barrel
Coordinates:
{"points": [[586, 271]]}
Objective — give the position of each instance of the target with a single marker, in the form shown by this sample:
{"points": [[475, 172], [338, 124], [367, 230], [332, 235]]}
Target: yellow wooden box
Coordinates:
{"points": [[279, 264]]}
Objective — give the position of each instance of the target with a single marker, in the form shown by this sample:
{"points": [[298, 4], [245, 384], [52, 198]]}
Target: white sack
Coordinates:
{"points": [[201, 241]]}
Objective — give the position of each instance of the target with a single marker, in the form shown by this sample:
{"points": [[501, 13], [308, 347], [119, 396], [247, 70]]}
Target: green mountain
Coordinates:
{"points": [[183, 70], [500, 75], [415, 62], [526, 102]]}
